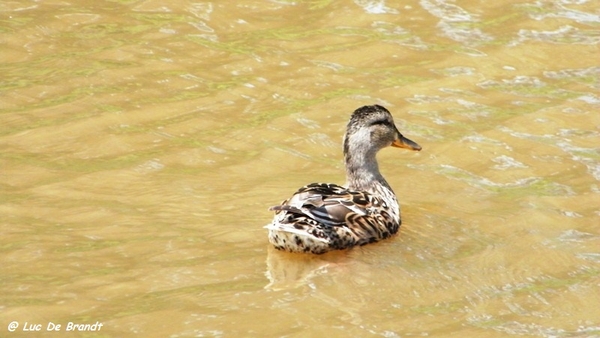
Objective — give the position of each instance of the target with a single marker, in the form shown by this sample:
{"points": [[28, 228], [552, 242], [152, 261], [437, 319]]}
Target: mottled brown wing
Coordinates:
{"points": [[329, 204]]}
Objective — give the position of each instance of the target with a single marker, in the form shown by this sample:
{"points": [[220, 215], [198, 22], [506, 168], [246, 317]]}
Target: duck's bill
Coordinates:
{"points": [[403, 142]]}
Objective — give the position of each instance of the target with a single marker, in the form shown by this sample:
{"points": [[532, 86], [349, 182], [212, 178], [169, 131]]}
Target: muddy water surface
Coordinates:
{"points": [[141, 143]]}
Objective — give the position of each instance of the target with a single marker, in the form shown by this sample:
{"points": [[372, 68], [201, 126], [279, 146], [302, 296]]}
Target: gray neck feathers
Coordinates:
{"points": [[362, 171]]}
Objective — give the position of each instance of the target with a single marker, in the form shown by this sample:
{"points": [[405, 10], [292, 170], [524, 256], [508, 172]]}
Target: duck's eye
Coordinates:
{"points": [[380, 122]]}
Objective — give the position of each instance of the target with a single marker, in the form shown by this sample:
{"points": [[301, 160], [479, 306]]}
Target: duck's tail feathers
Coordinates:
{"points": [[292, 230]]}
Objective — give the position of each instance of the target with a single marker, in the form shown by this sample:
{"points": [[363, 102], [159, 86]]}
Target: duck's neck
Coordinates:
{"points": [[362, 170]]}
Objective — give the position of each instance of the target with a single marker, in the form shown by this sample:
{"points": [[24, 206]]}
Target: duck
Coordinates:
{"points": [[322, 217]]}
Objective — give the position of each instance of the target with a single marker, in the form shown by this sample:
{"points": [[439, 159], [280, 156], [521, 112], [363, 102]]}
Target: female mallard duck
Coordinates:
{"points": [[321, 217]]}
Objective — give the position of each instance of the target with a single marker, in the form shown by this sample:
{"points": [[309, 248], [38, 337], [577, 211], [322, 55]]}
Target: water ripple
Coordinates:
{"points": [[563, 35], [527, 185], [556, 9], [456, 23], [375, 7]]}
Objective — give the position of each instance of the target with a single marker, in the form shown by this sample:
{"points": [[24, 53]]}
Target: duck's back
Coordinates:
{"points": [[322, 217]]}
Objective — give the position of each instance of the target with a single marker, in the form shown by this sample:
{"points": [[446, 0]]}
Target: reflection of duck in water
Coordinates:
{"points": [[288, 271], [321, 217]]}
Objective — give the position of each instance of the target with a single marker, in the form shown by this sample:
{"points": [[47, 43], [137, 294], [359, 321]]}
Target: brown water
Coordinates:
{"points": [[141, 143]]}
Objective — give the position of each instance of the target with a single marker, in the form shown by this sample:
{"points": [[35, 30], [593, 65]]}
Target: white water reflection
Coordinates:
{"points": [[375, 7], [558, 9], [455, 22], [563, 35]]}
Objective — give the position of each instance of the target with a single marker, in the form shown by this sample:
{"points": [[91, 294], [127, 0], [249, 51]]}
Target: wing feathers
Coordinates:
{"points": [[331, 215]]}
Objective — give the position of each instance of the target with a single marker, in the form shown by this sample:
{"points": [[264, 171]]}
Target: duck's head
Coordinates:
{"points": [[372, 128]]}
